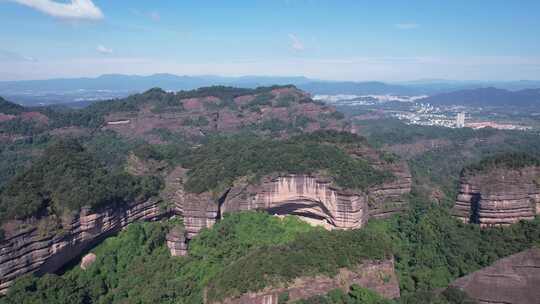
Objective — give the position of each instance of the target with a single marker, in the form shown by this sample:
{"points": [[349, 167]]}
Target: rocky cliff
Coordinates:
{"points": [[512, 280], [499, 197], [313, 198], [390, 197], [33, 249], [378, 276], [310, 197]]}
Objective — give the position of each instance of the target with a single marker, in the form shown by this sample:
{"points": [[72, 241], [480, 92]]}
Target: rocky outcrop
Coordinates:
{"points": [[309, 197], [378, 276], [177, 241], [32, 249], [499, 197], [88, 260], [390, 197], [512, 280]]}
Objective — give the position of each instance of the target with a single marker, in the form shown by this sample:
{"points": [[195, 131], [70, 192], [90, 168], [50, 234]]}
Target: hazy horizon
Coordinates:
{"points": [[329, 40], [406, 81]]}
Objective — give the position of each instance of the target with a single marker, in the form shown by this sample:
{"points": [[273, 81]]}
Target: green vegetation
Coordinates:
{"points": [[438, 155], [217, 164], [356, 295], [250, 251], [20, 126], [67, 178], [17, 156], [10, 108], [359, 295], [200, 121], [506, 161], [433, 248], [136, 267], [312, 253]]}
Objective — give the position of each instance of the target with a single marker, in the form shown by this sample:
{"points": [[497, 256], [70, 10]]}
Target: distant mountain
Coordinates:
{"points": [[438, 86], [132, 83], [357, 88], [86, 90], [487, 97]]}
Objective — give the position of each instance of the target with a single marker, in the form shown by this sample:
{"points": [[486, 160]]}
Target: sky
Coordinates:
{"points": [[326, 39]]}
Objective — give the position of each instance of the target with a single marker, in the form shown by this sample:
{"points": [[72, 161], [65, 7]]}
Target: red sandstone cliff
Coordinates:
{"points": [[512, 280], [499, 197], [31, 249], [311, 197]]}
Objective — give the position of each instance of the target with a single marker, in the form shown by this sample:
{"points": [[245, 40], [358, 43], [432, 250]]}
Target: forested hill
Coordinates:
{"points": [[10, 108], [487, 97], [277, 109]]}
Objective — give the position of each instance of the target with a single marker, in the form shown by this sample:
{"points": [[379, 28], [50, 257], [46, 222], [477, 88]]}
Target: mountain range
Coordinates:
{"points": [[487, 97], [83, 90]]}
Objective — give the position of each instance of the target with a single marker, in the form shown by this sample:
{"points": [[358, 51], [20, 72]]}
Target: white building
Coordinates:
{"points": [[460, 120]]}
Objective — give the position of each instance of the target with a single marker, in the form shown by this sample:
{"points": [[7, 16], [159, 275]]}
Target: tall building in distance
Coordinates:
{"points": [[460, 120]]}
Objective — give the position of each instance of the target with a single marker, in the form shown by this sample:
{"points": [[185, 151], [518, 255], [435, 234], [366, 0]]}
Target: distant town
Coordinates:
{"points": [[413, 111]]}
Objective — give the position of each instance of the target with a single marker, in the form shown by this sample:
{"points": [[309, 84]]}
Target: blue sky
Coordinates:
{"points": [[341, 40]]}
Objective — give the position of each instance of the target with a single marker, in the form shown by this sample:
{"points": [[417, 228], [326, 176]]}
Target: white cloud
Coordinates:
{"points": [[6, 55], [296, 44], [103, 50], [76, 9], [407, 26]]}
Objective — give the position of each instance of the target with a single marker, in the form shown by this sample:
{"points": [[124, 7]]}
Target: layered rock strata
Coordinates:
{"points": [[309, 197], [499, 197], [512, 280], [33, 250], [378, 276], [390, 197], [177, 242]]}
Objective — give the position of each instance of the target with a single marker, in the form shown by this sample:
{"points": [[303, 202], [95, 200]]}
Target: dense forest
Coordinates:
{"points": [[67, 178], [223, 159], [504, 161]]}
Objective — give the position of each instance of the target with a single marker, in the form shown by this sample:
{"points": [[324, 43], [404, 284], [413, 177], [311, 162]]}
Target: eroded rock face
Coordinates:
{"points": [[390, 197], [307, 196], [378, 276], [31, 250], [88, 260], [311, 197], [177, 242], [500, 197], [512, 280]]}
